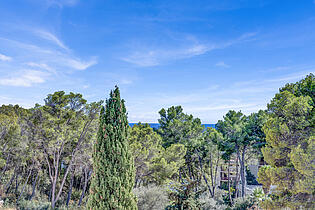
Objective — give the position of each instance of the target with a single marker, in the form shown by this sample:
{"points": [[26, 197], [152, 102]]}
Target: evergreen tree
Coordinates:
{"points": [[113, 167], [290, 147]]}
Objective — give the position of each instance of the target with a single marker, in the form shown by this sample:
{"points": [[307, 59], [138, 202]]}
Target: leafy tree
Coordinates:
{"points": [[184, 195], [15, 141], [178, 127], [255, 137], [153, 163], [62, 126], [232, 128], [290, 145], [209, 158], [241, 134], [264, 176], [113, 167], [146, 145], [167, 164]]}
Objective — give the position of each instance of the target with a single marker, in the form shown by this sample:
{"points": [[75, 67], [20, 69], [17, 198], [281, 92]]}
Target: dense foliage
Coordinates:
{"points": [[290, 136], [68, 153], [113, 167]]}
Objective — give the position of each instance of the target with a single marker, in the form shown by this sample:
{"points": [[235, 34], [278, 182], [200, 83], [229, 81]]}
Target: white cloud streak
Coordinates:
{"points": [[50, 53], [50, 37], [5, 57], [79, 64], [43, 66], [25, 78], [157, 56], [211, 103], [222, 64]]}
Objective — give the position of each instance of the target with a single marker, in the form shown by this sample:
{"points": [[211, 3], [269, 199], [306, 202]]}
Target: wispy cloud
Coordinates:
{"points": [[5, 57], [211, 103], [41, 66], [25, 78], [79, 64], [157, 56], [222, 64], [50, 53], [50, 37]]}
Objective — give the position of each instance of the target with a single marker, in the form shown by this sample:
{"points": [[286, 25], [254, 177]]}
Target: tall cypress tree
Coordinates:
{"points": [[113, 166]]}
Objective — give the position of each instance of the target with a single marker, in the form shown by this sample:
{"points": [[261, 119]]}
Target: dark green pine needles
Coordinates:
{"points": [[113, 167]]}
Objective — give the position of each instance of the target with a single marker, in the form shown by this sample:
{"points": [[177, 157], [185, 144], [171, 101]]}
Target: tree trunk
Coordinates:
{"points": [[242, 163], [229, 184], [86, 179], [53, 189], [29, 174], [8, 186], [34, 187], [70, 188], [204, 176], [237, 180], [215, 173]]}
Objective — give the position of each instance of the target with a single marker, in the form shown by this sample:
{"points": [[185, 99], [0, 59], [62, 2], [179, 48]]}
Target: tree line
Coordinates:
{"points": [[47, 153]]}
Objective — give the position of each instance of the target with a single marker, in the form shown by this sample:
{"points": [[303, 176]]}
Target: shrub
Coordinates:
{"points": [[151, 197], [215, 203], [243, 203], [33, 205], [184, 195]]}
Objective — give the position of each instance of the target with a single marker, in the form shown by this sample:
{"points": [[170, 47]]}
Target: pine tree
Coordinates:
{"points": [[290, 130], [113, 166]]}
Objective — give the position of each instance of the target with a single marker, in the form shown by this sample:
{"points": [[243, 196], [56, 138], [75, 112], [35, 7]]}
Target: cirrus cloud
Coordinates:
{"points": [[25, 78]]}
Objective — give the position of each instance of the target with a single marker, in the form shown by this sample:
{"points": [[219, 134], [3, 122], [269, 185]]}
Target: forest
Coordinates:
{"points": [[69, 153]]}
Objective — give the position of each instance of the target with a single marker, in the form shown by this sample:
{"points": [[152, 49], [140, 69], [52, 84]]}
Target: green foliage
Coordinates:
{"points": [[46, 155], [232, 129], [168, 163], [290, 145], [254, 134], [145, 145], [113, 164], [178, 127], [153, 163], [33, 205], [216, 202], [184, 196], [151, 197]]}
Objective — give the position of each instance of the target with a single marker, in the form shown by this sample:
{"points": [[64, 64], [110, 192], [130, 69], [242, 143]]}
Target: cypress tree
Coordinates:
{"points": [[113, 165]]}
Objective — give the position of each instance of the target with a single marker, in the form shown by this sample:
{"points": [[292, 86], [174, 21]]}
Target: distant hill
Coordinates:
{"points": [[157, 125]]}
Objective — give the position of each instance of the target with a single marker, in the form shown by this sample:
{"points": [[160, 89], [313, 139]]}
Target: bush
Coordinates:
{"points": [[184, 195], [33, 205], [151, 197], [243, 203], [215, 203]]}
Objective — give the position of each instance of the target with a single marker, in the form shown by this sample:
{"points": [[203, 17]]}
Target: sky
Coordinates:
{"points": [[207, 56]]}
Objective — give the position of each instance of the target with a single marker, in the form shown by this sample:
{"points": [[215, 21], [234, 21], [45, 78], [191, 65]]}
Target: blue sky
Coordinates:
{"points": [[208, 56]]}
